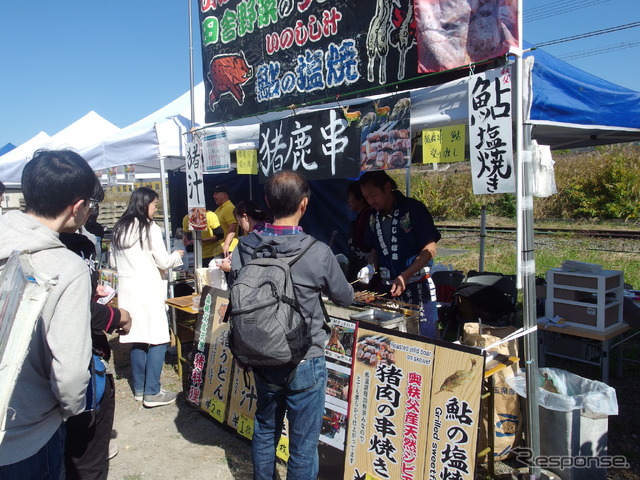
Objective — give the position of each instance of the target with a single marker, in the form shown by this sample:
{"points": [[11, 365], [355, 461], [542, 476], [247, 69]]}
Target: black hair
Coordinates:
{"points": [[98, 191], [138, 208], [2, 188], [284, 191], [54, 179], [250, 209], [377, 178], [354, 189]]}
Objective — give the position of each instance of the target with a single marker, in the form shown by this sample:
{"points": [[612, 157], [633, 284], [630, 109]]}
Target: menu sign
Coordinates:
{"points": [[399, 385]]}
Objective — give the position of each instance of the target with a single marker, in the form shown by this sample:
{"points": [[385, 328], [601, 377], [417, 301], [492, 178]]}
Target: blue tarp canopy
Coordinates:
{"points": [[7, 148], [572, 108]]}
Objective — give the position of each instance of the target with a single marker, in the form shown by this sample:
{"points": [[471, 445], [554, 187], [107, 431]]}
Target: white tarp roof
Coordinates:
{"points": [[160, 134], [84, 131]]}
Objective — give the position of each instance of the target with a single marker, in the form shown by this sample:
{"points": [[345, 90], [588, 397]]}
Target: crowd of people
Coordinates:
{"points": [[392, 243]]}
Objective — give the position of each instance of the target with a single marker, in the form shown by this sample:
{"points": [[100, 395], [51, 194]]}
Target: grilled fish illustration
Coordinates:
{"points": [[458, 378]]}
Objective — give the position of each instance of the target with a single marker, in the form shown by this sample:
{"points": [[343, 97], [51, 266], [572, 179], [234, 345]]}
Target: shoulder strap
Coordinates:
{"points": [[297, 257]]}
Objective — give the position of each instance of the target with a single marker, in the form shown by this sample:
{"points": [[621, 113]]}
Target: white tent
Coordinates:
{"points": [[84, 131], [145, 142], [12, 162]]}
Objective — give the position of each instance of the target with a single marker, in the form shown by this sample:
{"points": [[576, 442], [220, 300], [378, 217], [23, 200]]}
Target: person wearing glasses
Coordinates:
{"points": [[141, 258], [53, 379]]}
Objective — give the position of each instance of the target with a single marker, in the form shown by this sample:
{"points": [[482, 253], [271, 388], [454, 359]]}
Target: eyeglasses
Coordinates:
{"points": [[93, 205]]}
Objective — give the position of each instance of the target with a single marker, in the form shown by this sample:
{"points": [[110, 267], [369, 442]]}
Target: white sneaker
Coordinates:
{"points": [[113, 450], [138, 398], [159, 399]]}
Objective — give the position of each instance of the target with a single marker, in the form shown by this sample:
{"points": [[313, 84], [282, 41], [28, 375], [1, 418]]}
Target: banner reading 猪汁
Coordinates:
{"points": [[490, 132], [413, 409]]}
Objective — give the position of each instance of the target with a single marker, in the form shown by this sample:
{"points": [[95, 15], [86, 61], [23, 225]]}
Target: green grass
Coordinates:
{"points": [[550, 252]]}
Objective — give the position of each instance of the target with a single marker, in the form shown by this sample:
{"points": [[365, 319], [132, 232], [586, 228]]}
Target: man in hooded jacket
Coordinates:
{"points": [[51, 386], [316, 272]]}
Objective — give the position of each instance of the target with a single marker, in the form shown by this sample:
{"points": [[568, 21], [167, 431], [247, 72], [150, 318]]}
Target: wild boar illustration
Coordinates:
{"points": [[227, 74]]}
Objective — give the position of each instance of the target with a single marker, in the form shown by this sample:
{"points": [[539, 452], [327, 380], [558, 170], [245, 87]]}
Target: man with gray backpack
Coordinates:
{"points": [[278, 326]]}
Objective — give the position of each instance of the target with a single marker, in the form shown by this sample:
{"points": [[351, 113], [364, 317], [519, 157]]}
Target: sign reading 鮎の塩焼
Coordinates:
{"points": [[490, 131], [413, 409]]}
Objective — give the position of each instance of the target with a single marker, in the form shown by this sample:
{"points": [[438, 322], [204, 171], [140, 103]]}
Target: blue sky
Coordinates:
{"points": [[125, 59]]}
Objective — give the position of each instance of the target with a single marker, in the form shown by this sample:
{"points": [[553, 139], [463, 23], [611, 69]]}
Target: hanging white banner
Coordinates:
{"points": [[490, 132]]}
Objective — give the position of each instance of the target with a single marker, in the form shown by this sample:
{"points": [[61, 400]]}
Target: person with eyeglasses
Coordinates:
{"points": [[53, 379]]}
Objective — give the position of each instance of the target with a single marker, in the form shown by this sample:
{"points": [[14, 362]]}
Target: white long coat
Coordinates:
{"points": [[142, 285]]}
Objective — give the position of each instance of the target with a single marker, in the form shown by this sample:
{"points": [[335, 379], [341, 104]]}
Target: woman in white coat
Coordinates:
{"points": [[141, 259]]}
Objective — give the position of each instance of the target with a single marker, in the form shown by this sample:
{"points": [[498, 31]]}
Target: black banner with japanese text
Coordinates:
{"points": [[320, 145], [263, 55]]}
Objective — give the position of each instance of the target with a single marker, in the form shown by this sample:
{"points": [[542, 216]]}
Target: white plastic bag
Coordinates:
{"points": [[217, 278], [574, 392], [544, 180]]}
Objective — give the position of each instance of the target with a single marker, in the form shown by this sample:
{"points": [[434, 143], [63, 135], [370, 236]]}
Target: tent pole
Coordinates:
{"points": [[165, 205], [526, 262], [483, 237]]}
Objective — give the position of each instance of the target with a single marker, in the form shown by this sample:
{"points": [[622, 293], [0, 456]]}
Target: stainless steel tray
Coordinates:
{"points": [[379, 317]]}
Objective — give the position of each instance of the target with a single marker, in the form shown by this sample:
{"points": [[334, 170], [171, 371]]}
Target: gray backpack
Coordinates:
{"points": [[267, 328]]}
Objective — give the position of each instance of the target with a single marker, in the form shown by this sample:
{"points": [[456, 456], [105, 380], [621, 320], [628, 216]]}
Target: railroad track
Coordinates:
{"points": [[594, 233]]}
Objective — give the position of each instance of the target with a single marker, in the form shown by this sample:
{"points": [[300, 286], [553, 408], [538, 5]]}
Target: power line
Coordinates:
{"points": [[557, 8], [600, 50], [589, 34]]}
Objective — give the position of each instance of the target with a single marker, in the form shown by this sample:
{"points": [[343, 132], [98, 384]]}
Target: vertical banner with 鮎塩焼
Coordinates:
{"points": [[215, 151], [210, 377], [454, 34], [454, 414], [443, 145], [388, 406], [247, 162], [195, 185], [490, 131]]}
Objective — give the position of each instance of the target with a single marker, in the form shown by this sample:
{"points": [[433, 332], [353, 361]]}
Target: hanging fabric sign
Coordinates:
{"points": [[195, 186], [320, 145], [490, 131], [215, 150], [259, 56], [443, 145], [454, 34]]}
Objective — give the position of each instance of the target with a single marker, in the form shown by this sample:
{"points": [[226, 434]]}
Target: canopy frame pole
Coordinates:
{"points": [[526, 261]]}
